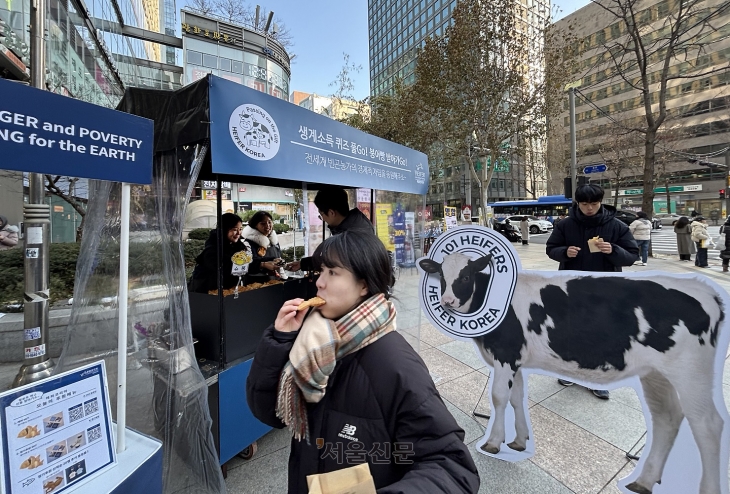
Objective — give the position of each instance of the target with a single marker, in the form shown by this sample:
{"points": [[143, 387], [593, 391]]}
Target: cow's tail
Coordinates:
{"points": [[715, 330]]}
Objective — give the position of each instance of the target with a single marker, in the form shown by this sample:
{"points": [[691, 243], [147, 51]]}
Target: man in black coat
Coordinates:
{"points": [[568, 244], [334, 209]]}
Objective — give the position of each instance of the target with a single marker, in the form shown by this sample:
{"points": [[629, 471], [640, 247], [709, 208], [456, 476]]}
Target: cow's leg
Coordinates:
{"points": [[666, 417], [696, 396], [502, 375], [517, 400]]}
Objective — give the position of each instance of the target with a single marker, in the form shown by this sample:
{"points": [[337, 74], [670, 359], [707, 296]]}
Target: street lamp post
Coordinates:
{"points": [[37, 363]]}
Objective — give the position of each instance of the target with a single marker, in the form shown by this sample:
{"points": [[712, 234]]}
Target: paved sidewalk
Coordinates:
{"points": [[581, 441]]}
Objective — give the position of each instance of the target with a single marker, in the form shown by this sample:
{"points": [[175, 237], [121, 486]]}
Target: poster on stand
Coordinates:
{"points": [[410, 247], [449, 217], [363, 202], [56, 433], [399, 234], [384, 225]]}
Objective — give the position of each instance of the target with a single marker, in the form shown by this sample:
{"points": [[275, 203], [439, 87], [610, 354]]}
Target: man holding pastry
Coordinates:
{"points": [[592, 239]]}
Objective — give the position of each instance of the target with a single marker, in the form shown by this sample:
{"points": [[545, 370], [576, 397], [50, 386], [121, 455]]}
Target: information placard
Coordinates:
{"points": [[56, 433]]}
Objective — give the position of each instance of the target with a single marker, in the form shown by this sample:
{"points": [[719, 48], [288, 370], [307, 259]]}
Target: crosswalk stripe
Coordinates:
{"points": [[665, 240]]}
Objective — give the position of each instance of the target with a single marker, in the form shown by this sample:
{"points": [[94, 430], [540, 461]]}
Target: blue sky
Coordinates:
{"points": [[324, 29]]}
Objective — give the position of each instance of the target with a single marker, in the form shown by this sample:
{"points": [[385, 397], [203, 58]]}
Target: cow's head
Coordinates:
{"points": [[458, 278], [247, 121]]}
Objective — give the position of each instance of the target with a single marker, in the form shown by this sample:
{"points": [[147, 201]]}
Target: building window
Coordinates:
{"points": [[226, 64], [237, 67], [210, 61], [195, 58]]}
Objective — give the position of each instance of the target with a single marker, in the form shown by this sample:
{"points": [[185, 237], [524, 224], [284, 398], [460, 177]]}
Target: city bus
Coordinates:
{"points": [[543, 207]]}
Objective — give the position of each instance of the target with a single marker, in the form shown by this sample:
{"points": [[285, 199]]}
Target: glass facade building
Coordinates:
{"points": [[397, 28], [236, 53], [88, 56]]}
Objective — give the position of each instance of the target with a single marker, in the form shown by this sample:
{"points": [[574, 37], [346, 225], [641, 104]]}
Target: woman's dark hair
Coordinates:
{"points": [[682, 222], [362, 254], [228, 221], [642, 214], [332, 198], [589, 193], [3, 222], [258, 218], [727, 221], [699, 217]]}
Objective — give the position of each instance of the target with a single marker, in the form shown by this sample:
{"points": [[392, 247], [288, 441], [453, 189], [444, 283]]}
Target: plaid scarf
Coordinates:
{"points": [[319, 345]]}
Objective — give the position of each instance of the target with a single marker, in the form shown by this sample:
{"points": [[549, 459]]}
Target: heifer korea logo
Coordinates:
{"points": [[254, 132], [458, 280]]}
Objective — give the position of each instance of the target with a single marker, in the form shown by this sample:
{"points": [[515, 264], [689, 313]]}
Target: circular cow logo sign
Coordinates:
{"points": [[254, 132], [467, 280]]}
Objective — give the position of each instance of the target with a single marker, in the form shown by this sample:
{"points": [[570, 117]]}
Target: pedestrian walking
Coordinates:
{"points": [[700, 237], [613, 243], [525, 230], [724, 244], [8, 234], [341, 375], [640, 228], [685, 246]]}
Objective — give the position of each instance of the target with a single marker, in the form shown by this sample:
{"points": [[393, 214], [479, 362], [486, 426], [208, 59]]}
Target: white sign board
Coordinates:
{"points": [[56, 433], [450, 217]]}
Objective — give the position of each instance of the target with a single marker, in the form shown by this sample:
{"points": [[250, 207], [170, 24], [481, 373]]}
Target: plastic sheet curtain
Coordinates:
{"points": [[167, 395]]}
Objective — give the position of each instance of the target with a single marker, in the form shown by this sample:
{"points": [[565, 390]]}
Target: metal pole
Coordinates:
{"points": [[467, 187], [727, 182], [122, 332], [573, 152], [36, 216]]}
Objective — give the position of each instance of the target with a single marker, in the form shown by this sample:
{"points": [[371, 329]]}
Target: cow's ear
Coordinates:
{"points": [[430, 266], [481, 263]]}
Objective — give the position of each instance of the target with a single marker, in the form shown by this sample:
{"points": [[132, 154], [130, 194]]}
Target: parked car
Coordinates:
{"points": [[668, 219], [628, 217], [536, 224]]}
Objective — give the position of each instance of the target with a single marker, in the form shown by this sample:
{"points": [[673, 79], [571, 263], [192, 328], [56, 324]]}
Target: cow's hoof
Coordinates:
{"points": [[639, 489], [490, 449], [516, 446]]}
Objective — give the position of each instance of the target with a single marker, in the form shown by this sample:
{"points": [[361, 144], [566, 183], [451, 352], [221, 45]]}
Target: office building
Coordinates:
{"points": [[698, 123], [335, 108], [397, 28], [237, 53]]}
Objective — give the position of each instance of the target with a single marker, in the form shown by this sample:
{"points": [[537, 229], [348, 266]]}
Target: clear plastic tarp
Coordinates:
{"points": [[167, 395], [400, 223]]}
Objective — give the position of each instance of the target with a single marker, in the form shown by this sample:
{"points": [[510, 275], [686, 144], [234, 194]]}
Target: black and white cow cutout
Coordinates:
{"points": [[663, 334]]}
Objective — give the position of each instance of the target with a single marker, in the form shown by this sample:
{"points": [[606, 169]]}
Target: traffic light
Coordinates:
{"points": [[722, 193]]}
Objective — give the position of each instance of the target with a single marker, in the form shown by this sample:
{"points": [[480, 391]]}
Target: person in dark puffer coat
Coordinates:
{"points": [[379, 395], [574, 232], [568, 244], [334, 209]]}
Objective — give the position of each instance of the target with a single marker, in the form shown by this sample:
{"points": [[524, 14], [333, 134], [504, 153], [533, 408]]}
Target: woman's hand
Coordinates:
{"points": [[289, 319]]}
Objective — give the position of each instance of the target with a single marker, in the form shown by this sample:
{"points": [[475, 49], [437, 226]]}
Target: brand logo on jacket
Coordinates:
{"points": [[348, 432], [254, 132], [467, 280]]}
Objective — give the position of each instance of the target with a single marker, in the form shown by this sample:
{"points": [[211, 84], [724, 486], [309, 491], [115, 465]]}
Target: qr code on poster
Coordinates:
{"points": [[75, 413], [94, 433], [91, 406]]}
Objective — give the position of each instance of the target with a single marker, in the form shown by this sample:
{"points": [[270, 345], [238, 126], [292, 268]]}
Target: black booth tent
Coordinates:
{"points": [[167, 392]]}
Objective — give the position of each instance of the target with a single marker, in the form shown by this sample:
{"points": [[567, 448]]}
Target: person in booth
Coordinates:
{"points": [[341, 374], [260, 235], [334, 209], [205, 274]]}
